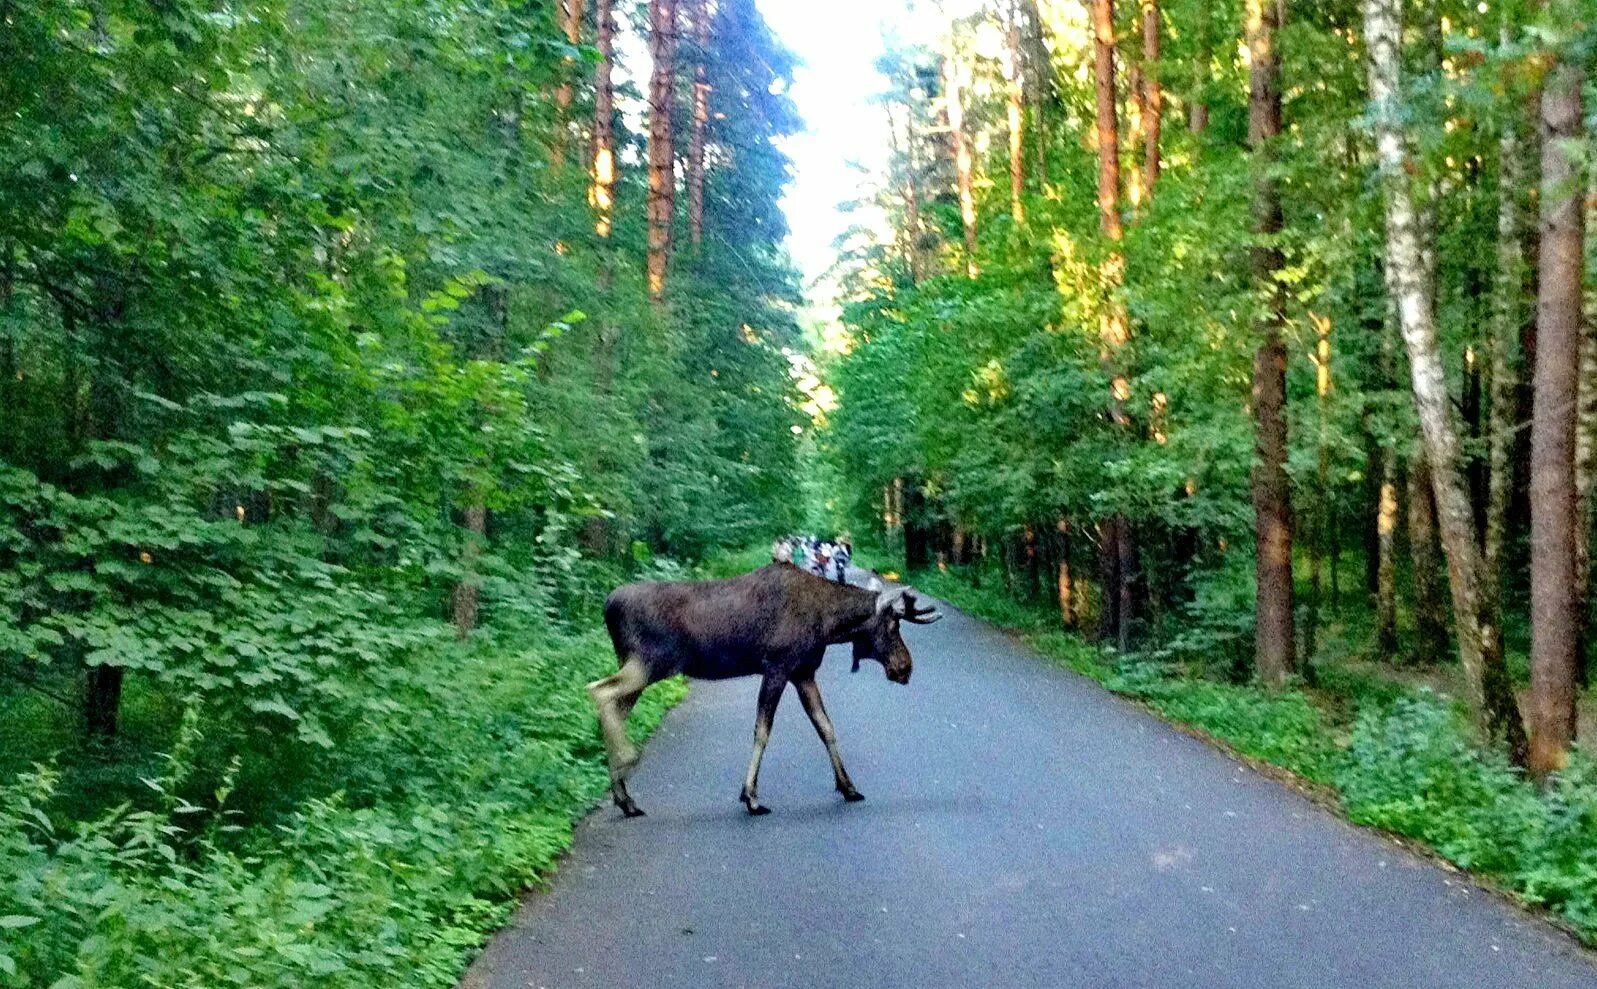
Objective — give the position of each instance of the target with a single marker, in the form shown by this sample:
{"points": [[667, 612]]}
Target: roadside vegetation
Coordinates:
{"points": [[346, 363], [1248, 347]]}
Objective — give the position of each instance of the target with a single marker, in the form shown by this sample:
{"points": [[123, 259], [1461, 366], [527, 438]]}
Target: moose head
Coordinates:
{"points": [[879, 638]]}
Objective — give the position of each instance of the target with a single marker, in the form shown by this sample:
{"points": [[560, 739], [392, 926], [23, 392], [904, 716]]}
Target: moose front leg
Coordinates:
{"points": [[810, 696], [770, 694]]}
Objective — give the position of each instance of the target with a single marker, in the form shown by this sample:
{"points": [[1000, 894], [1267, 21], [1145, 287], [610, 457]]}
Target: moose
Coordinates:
{"points": [[774, 622]]}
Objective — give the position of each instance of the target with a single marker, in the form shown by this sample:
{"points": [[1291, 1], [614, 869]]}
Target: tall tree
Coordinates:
{"points": [[959, 142], [1490, 695], [1198, 99], [1274, 657], [1014, 85], [661, 153], [1554, 598], [569, 15], [699, 11], [601, 192], [1153, 96], [1506, 317]]}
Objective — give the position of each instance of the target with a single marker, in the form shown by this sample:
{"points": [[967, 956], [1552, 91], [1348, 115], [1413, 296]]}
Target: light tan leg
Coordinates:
{"points": [[810, 696], [770, 693], [614, 696]]}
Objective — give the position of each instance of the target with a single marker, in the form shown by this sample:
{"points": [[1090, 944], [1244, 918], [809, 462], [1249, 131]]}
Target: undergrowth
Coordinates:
{"points": [[449, 800]]}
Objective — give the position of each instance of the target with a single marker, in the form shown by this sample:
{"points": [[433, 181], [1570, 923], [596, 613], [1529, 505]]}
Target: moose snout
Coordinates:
{"points": [[899, 676]]}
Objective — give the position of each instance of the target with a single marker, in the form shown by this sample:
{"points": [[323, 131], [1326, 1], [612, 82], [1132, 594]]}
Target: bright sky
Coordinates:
{"points": [[837, 42]]}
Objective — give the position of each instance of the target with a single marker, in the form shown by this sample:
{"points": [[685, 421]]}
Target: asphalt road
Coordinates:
{"points": [[1021, 828]]}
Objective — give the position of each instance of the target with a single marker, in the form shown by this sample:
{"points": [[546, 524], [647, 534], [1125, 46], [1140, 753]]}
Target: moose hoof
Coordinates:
{"points": [[756, 808], [630, 809], [852, 795]]}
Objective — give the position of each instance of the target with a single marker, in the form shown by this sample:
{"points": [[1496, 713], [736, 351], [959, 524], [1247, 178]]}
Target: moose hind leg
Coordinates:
{"points": [[614, 696], [810, 696], [770, 694]]}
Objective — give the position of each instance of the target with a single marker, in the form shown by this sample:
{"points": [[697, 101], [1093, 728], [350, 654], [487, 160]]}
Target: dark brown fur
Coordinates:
{"points": [[775, 622]]}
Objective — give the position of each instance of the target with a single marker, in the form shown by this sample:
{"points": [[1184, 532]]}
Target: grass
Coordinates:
{"points": [[1388, 754]]}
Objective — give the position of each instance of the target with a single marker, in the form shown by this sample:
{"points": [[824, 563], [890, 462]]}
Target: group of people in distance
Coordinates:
{"points": [[822, 557]]}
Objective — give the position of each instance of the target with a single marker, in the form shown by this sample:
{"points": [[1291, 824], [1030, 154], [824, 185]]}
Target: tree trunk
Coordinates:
{"points": [[1198, 102], [1472, 406], [1274, 658], [1430, 619], [569, 15], [1067, 609], [1321, 522], [601, 193], [1038, 76], [699, 10], [1489, 692], [102, 702], [1109, 621], [1031, 559], [1507, 316], [1108, 127], [953, 104], [1554, 622], [662, 175], [1386, 559], [1586, 466], [464, 601], [1153, 97], [1015, 80], [1127, 570]]}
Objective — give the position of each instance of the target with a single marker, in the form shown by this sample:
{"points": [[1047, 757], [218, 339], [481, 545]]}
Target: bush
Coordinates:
{"points": [[1412, 769], [455, 796]]}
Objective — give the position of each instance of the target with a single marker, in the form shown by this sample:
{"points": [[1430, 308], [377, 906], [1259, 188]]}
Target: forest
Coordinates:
{"points": [[1251, 344], [349, 354], [1240, 354]]}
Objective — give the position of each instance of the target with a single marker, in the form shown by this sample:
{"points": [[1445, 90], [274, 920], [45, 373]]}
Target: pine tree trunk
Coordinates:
{"points": [[699, 10], [1107, 128], [1127, 568], [1473, 407], [1198, 101], [1015, 83], [1430, 624], [1067, 608], [1507, 316], [1321, 523], [1038, 76], [1488, 688], [1153, 96], [1553, 596], [569, 15], [1274, 658], [662, 173], [1386, 559], [1109, 621], [601, 193], [964, 165]]}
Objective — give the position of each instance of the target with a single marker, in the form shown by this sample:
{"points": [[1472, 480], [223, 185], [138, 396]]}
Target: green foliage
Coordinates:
{"points": [[311, 363], [447, 807]]}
